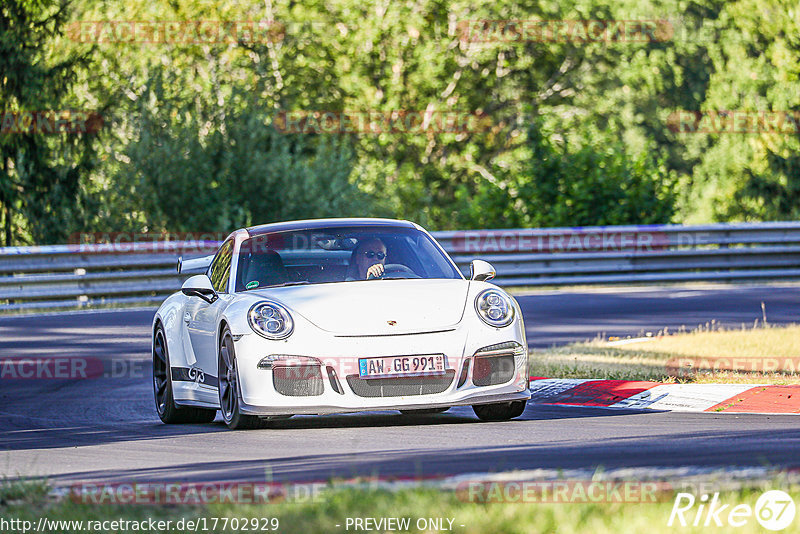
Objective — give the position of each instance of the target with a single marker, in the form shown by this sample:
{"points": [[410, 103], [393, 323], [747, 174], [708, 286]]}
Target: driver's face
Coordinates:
{"points": [[370, 253]]}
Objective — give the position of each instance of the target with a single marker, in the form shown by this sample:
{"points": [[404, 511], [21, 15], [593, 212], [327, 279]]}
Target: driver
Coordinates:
{"points": [[369, 258]]}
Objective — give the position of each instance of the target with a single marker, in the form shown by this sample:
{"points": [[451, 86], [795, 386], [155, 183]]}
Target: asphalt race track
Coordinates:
{"points": [[106, 429]]}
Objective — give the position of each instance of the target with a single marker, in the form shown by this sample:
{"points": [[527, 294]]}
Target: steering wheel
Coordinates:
{"points": [[399, 268]]}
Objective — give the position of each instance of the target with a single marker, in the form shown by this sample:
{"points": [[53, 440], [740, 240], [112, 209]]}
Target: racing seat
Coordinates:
{"points": [[266, 268]]}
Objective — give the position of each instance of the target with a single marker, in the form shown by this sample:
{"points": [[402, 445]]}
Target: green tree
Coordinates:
{"points": [[594, 183], [750, 176], [210, 169], [180, 109], [40, 174]]}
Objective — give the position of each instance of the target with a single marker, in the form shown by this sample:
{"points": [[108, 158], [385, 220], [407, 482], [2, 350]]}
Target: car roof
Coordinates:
{"points": [[311, 224]]}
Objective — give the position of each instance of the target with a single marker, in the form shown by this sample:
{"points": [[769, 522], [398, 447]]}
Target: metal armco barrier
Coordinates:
{"points": [[75, 276]]}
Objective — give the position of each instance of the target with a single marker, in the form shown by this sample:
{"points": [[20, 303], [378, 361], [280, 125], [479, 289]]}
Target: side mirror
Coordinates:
{"points": [[199, 286], [481, 271]]}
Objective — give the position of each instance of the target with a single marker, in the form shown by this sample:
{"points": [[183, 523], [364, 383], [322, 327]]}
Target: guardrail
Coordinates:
{"points": [[76, 276]]}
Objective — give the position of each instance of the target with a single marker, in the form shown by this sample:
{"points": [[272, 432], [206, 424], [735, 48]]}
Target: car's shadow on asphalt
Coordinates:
{"points": [[454, 416], [21, 433]]}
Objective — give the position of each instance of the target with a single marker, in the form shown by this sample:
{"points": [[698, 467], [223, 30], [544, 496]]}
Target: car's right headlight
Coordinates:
{"points": [[495, 308], [271, 320]]}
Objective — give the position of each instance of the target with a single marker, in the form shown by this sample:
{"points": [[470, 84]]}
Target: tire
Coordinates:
{"points": [[424, 411], [228, 375], [169, 412], [502, 411]]}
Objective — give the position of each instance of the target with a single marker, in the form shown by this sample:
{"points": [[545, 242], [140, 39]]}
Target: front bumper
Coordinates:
{"points": [[340, 355], [320, 409]]}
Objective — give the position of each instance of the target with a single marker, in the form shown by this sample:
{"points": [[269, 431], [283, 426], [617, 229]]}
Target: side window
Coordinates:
{"points": [[220, 270]]}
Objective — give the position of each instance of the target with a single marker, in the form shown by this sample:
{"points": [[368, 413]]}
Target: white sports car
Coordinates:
{"points": [[336, 315]]}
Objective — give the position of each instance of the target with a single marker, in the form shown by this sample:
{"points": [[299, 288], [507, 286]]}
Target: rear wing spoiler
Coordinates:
{"points": [[194, 264]]}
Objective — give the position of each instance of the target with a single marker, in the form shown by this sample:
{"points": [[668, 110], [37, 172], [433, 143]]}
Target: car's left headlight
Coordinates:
{"points": [[270, 320], [495, 308]]}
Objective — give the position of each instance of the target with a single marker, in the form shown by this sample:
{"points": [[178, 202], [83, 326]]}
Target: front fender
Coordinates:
{"points": [[236, 314]]}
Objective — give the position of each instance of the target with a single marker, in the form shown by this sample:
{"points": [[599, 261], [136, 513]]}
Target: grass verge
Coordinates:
{"points": [[763, 355], [329, 513]]}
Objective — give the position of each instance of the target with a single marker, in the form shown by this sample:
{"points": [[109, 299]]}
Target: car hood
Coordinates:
{"points": [[370, 307]]}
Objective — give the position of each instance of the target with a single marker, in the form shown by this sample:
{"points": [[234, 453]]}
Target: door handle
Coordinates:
{"points": [[187, 318]]}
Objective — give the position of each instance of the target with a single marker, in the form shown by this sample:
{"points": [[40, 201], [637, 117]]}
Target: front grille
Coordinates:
{"points": [[492, 370], [402, 386], [298, 380]]}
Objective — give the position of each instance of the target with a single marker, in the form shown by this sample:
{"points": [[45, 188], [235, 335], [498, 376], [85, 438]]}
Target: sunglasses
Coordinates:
{"points": [[371, 254]]}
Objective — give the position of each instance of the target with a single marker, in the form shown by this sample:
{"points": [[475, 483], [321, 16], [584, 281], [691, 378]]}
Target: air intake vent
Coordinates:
{"points": [[298, 380], [464, 374], [400, 387], [492, 370], [334, 380]]}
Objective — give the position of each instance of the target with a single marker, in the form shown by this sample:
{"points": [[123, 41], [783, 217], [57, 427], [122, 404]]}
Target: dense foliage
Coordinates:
{"points": [[560, 131]]}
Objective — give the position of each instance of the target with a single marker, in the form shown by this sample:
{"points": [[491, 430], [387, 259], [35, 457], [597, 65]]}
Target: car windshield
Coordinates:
{"points": [[322, 256]]}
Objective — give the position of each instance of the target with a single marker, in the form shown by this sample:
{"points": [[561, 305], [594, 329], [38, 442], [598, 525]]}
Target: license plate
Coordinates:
{"points": [[392, 366]]}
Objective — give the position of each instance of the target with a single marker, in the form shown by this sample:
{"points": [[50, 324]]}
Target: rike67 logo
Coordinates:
{"points": [[774, 510]]}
